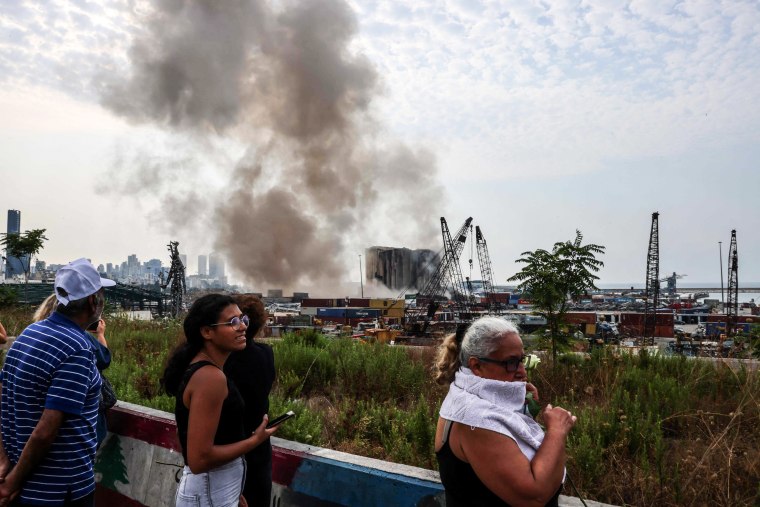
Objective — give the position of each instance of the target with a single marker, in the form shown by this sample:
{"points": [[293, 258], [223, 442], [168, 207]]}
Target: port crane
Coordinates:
{"points": [[732, 308], [652, 295], [485, 268], [448, 276], [671, 282]]}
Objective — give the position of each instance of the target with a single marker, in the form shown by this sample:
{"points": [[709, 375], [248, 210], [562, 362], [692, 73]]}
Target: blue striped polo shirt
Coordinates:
{"points": [[51, 365]]}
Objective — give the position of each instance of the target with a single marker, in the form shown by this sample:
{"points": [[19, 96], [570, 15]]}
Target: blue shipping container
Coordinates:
{"points": [[332, 312]]}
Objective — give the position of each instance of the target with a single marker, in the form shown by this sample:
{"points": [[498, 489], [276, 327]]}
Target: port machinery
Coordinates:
{"points": [[652, 295], [732, 308], [447, 278]]}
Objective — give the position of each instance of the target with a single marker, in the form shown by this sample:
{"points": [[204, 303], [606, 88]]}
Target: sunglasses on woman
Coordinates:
{"points": [[510, 364], [234, 323]]}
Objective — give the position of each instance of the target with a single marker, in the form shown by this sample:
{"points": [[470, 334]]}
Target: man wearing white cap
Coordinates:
{"points": [[50, 397]]}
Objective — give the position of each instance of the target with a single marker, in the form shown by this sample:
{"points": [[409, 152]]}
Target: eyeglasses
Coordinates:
{"points": [[234, 323], [510, 364]]}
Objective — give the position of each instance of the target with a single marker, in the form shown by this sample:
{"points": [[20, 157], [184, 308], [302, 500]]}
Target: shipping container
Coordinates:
{"points": [[349, 313], [499, 297], [314, 302], [293, 320], [357, 302], [331, 312], [395, 313], [636, 318], [580, 318], [386, 303]]}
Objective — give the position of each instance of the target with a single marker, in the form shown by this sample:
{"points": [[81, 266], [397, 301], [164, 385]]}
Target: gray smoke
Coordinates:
{"points": [[317, 180]]}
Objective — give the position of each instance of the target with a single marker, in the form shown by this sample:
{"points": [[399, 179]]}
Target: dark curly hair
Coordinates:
{"points": [[253, 307], [204, 311]]}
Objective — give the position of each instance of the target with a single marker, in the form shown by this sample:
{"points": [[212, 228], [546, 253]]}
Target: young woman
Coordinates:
{"points": [[209, 410], [253, 372], [490, 452]]}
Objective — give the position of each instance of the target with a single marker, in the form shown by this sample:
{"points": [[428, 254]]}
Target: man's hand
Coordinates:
{"points": [[8, 493]]}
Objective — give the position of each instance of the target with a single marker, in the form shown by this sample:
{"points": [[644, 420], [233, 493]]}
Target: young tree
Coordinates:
{"points": [[552, 278], [24, 247]]}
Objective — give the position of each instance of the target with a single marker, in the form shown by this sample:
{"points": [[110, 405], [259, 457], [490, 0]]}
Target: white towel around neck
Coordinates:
{"points": [[492, 405]]}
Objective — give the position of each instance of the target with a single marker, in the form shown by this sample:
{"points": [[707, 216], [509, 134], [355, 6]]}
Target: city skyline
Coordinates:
{"points": [[534, 119]]}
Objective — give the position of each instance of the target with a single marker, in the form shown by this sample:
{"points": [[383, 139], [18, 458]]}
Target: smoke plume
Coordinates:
{"points": [[318, 181]]}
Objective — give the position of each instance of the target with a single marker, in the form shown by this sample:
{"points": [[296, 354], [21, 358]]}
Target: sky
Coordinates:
{"points": [[291, 135]]}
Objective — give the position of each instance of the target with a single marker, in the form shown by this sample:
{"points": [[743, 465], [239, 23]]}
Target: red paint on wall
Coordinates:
{"points": [[105, 496], [140, 426], [284, 466]]}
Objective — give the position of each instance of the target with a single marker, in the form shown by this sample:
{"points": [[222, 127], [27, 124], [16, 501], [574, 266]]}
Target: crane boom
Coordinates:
{"points": [[442, 278], [485, 266]]}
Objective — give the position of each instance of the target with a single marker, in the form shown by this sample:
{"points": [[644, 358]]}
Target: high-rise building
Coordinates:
{"points": [[202, 265], [14, 265], [183, 260], [133, 266], [215, 266]]}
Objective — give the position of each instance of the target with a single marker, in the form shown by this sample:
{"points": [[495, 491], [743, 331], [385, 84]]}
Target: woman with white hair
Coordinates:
{"points": [[490, 452]]}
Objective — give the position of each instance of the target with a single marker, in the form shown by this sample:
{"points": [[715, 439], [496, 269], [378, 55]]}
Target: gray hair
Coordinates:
{"points": [[484, 336]]}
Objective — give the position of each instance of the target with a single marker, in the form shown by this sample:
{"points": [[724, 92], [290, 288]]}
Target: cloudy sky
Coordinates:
{"points": [[291, 135]]}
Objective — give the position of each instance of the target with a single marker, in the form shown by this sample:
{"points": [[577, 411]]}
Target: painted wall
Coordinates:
{"points": [[140, 460]]}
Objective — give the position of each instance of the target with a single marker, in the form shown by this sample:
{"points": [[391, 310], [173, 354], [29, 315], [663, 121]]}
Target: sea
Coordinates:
{"points": [[685, 287]]}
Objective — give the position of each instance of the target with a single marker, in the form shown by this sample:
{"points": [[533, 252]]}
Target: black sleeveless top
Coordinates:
{"points": [[230, 428], [462, 486]]}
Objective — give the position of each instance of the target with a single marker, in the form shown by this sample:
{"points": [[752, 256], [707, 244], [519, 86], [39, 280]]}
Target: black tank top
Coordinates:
{"points": [[230, 428], [462, 486]]}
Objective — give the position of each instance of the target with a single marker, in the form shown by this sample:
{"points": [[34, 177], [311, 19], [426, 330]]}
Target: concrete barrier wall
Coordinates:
{"points": [[139, 462]]}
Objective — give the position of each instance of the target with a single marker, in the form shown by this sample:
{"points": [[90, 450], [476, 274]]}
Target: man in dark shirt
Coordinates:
{"points": [[252, 370]]}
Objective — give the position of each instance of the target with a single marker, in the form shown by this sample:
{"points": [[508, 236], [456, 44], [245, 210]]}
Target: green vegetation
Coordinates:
{"points": [[651, 430], [24, 246], [552, 277]]}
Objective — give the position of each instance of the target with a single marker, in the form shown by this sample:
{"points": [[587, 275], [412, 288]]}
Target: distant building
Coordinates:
{"points": [[215, 266], [183, 260], [400, 268], [14, 265], [133, 267], [202, 265], [151, 270]]}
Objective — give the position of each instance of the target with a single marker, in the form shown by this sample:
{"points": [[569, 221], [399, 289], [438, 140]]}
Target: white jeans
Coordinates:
{"points": [[219, 487]]}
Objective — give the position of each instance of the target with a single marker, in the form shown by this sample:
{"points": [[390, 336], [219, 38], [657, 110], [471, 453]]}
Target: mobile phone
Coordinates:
{"points": [[94, 326], [279, 420]]}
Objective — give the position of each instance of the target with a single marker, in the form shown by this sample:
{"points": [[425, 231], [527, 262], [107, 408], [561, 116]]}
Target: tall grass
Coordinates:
{"points": [[660, 430]]}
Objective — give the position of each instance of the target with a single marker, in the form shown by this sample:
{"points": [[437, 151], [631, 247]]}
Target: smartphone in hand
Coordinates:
{"points": [[279, 420]]}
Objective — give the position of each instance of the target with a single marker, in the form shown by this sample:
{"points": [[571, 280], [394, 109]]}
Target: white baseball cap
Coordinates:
{"points": [[77, 280]]}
